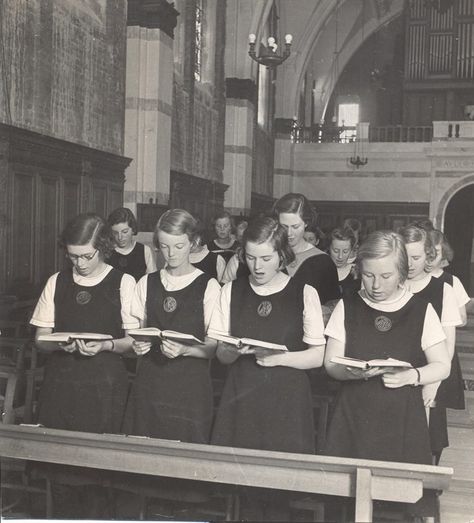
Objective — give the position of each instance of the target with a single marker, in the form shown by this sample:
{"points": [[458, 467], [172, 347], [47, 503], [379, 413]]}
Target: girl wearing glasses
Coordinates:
{"points": [[85, 382]]}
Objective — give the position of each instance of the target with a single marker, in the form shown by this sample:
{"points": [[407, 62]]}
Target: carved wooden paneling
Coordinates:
{"points": [[48, 181], [465, 50]]}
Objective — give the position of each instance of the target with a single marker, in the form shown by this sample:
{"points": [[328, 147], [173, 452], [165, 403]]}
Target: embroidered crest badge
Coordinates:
{"points": [[83, 297], [169, 304], [382, 323], [264, 309]]}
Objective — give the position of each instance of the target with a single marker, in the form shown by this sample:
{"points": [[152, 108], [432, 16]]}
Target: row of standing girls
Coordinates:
{"points": [[266, 402]]}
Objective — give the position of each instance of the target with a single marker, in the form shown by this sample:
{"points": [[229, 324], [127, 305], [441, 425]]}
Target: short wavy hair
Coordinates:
{"points": [[438, 238], [296, 203], [177, 222], [380, 244], [123, 215], [88, 228], [344, 234], [414, 233], [224, 214], [267, 229]]}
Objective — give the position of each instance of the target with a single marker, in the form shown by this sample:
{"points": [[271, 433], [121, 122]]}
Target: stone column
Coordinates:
{"points": [[284, 152], [149, 94], [239, 118]]}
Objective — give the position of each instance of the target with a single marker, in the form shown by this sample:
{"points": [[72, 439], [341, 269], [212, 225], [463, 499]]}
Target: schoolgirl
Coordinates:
{"points": [[420, 253], [129, 256], [171, 396], [311, 265], [379, 413], [85, 383], [341, 249], [225, 241], [266, 401]]}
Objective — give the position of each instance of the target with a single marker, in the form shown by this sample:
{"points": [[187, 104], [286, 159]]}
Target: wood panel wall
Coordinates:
{"points": [[47, 181]]}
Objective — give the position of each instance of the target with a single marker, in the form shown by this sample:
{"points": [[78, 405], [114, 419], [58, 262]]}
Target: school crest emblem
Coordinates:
{"points": [[264, 309], [83, 297], [169, 304], [382, 323]]}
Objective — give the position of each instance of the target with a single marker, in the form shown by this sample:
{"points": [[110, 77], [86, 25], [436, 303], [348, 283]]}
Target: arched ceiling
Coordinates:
{"points": [[322, 30]]}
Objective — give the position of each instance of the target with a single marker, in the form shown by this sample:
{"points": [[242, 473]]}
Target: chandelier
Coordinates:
{"points": [[268, 55]]}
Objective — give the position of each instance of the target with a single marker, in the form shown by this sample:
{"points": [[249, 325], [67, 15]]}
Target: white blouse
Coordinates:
{"points": [[313, 326], [43, 315], [432, 330], [176, 283], [450, 316]]}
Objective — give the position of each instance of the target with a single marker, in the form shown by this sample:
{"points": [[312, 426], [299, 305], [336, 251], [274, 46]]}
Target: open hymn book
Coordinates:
{"points": [[69, 337], [240, 342], [146, 332], [362, 364]]}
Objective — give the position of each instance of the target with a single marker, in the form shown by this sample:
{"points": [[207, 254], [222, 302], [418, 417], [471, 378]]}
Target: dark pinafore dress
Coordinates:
{"points": [[132, 263], [85, 393], [372, 421], [318, 270], [225, 253], [450, 392], [208, 264], [172, 398], [267, 408], [349, 285]]}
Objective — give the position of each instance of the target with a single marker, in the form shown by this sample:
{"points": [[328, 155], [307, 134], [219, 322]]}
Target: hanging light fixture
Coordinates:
{"points": [[268, 55]]}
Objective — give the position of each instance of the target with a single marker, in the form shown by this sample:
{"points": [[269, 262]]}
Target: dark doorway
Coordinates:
{"points": [[459, 230]]}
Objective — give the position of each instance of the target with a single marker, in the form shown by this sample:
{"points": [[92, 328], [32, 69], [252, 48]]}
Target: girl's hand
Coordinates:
{"points": [[141, 347], [68, 347], [90, 348], [172, 349], [268, 358], [394, 379], [365, 374], [245, 349], [429, 394]]}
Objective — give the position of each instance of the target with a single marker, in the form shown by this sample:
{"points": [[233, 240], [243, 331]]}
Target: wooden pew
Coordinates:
{"points": [[366, 480]]}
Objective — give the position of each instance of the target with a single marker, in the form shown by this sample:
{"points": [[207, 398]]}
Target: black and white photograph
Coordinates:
{"points": [[237, 260]]}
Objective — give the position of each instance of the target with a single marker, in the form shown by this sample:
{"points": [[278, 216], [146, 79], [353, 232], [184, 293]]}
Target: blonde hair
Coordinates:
{"points": [[176, 222], [380, 244]]}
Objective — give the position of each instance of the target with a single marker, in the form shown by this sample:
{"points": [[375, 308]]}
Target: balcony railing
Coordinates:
{"points": [[401, 133], [348, 134]]}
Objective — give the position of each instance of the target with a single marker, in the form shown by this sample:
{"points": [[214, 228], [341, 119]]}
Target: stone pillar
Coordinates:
{"points": [[149, 94], [284, 152], [240, 120]]}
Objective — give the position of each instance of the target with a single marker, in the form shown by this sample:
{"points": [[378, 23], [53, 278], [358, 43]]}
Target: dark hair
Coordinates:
{"points": [[224, 214], [177, 222], [123, 215], [295, 203], [344, 234], [88, 228], [413, 233], [267, 229], [423, 223], [380, 244], [438, 238]]}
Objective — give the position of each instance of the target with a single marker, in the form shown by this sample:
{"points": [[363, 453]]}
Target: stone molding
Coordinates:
{"points": [[153, 14]]}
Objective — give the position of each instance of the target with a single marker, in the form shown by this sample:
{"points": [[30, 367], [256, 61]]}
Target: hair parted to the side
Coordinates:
{"points": [[380, 244], [88, 228], [176, 222], [295, 203], [438, 238], [123, 215], [344, 234], [423, 223], [266, 229], [413, 233]]}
